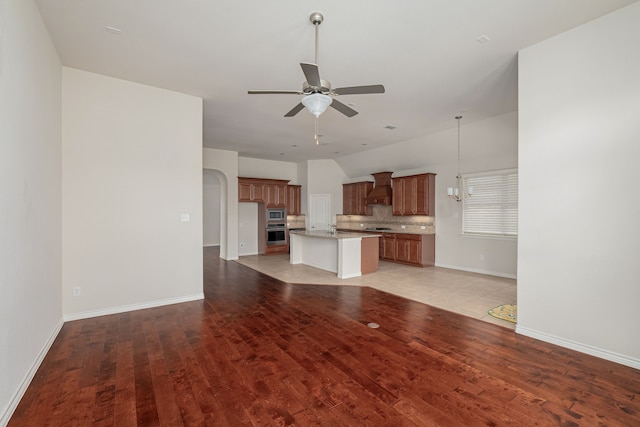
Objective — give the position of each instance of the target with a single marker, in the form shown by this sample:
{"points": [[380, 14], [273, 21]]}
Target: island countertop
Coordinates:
{"points": [[337, 235]]}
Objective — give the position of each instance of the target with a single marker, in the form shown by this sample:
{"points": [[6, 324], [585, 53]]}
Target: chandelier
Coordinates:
{"points": [[456, 193]]}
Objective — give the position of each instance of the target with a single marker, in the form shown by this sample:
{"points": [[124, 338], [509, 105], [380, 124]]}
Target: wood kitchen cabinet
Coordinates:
{"points": [[411, 249], [250, 190], [354, 198], [388, 246], [404, 248], [414, 195], [276, 195], [294, 196], [271, 192]]}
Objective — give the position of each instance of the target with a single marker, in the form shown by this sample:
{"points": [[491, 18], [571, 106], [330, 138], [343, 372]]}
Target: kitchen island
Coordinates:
{"points": [[348, 254]]}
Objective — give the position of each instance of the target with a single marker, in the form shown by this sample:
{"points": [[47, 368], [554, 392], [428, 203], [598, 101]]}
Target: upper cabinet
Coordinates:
{"points": [[276, 195], [294, 195], [414, 195], [250, 190], [354, 198], [271, 192]]}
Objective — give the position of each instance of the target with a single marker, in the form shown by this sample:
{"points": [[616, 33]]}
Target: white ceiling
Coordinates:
{"points": [[424, 52]]}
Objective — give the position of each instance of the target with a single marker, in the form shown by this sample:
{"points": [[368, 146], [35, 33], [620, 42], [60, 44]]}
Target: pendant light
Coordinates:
{"points": [[456, 193]]}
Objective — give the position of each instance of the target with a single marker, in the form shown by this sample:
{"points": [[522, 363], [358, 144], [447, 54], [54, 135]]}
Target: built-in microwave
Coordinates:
{"points": [[276, 215]]}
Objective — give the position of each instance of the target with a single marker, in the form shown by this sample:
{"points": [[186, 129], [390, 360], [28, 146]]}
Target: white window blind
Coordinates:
{"points": [[492, 210]]}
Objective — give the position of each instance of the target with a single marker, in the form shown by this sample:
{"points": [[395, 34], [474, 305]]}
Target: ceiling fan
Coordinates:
{"points": [[318, 92]]}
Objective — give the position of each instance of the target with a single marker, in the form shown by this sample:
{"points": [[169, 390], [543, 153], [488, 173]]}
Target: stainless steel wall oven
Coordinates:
{"points": [[276, 233]]}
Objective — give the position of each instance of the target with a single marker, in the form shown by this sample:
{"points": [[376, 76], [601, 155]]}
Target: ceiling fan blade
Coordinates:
{"points": [[355, 90], [268, 92], [344, 109], [295, 110], [311, 73]]}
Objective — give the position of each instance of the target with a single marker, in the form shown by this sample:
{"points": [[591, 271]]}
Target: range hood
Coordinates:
{"points": [[381, 193]]}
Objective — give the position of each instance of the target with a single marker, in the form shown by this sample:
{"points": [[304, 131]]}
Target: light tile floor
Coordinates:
{"points": [[470, 294]]}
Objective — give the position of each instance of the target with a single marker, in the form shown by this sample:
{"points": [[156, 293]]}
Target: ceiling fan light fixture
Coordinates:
{"points": [[317, 103]]}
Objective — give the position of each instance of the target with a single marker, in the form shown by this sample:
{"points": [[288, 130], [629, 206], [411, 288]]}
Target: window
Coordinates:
{"points": [[492, 210]]}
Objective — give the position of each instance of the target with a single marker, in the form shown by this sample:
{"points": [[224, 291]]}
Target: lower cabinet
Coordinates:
{"points": [[411, 249], [388, 246], [276, 249], [403, 248]]}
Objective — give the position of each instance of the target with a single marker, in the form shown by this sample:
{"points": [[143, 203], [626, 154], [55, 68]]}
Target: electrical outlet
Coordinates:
{"points": [[403, 226], [422, 227], [481, 257], [185, 217], [361, 225], [76, 291]]}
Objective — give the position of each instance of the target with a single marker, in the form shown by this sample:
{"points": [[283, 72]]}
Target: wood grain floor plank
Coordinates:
{"points": [[260, 352]]}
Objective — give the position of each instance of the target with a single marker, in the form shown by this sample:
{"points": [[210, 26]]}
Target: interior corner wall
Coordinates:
{"points": [[132, 166], [30, 198], [578, 248]]}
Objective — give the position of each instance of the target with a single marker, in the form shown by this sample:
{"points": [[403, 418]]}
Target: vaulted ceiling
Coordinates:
{"points": [[435, 58]]}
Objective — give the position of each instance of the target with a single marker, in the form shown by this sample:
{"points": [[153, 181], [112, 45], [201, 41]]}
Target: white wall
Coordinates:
{"points": [[210, 208], [30, 198], [579, 230], [225, 164], [132, 164], [271, 169], [485, 145]]}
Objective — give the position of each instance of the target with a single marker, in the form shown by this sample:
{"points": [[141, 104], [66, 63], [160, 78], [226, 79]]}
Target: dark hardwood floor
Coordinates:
{"points": [[261, 352]]}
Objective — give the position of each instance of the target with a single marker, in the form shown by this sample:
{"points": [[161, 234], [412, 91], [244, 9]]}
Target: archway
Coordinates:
{"points": [[214, 207]]}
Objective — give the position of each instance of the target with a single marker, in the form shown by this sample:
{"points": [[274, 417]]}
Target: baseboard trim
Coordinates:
{"points": [[15, 400], [132, 307], [582, 348], [479, 271]]}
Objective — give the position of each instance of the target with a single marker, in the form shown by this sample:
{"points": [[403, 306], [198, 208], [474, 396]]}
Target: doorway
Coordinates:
{"points": [[320, 211]]}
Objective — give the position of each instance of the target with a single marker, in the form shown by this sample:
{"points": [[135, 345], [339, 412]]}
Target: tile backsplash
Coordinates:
{"points": [[383, 217], [296, 221]]}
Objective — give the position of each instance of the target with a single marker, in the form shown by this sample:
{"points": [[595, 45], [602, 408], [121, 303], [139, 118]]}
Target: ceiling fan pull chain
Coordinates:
{"points": [[315, 135]]}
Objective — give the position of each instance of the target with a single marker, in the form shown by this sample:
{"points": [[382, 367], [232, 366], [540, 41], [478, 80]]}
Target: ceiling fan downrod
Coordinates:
{"points": [[316, 19]]}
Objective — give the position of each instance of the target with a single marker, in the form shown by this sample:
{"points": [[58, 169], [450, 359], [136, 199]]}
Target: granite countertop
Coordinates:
{"points": [[348, 230], [337, 235]]}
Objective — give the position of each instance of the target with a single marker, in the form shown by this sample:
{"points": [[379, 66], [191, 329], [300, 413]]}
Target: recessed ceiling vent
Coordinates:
{"points": [[381, 193]]}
